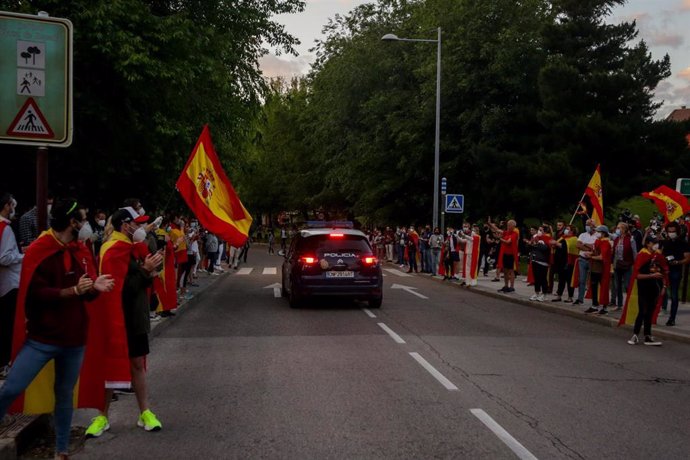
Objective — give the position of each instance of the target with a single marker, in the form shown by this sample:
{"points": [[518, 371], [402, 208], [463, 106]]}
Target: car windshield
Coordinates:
{"points": [[345, 244]]}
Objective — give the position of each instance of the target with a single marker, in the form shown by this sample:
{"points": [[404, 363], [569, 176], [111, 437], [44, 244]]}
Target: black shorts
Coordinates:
{"points": [[508, 262], [455, 257], [138, 345]]}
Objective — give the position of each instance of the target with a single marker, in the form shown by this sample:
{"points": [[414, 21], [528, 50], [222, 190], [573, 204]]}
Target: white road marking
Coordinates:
{"points": [[369, 313], [409, 289], [397, 272], [276, 289], [244, 271], [390, 332], [432, 370], [270, 271], [503, 435]]}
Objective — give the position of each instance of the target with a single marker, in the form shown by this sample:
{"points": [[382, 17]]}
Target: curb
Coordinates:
{"points": [[20, 432], [601, 320]]}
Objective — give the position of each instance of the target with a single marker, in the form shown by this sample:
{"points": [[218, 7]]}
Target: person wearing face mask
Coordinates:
{"points": [[585, 244], [10, 268], [127, 311], [98, 231], [648, 283], [540, 251], [471, 260], [677, 252], [435, 244], [54, 322], [565, 257], [624, 254], [508, 255]]}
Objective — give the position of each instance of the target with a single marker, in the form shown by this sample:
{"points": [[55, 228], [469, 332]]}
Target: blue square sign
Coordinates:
{"points": [[455, 204]]}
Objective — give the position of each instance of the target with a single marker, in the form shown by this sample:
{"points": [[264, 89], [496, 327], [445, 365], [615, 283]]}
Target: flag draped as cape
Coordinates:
{"points": [[114, 260], [632, 306], [39, 396]]}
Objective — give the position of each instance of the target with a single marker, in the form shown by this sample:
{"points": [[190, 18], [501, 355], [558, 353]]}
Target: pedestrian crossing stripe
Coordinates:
{"points": [[270, 271], [30, 122]]}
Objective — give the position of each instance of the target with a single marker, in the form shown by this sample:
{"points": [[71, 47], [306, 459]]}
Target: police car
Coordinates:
{"points": [[331, 259]]}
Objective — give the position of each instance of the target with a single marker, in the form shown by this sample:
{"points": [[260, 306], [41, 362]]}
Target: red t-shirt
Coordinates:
{"points": [[509, 235]]}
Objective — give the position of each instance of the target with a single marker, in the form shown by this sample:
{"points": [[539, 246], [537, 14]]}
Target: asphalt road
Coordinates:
{"points": [[241, 375]]}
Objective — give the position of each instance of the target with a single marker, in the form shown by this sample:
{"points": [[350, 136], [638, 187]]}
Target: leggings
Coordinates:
{"points": [[564, 279], [646, 306], [184, 270]]}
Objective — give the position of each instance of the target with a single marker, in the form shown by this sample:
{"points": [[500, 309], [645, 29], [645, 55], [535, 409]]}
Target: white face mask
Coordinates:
{"points": [[673, 235], [566, 231], [655, 247], [50, 206], [540, 233], [597, 234], [85, 232], [139, 235], [101, 223]]}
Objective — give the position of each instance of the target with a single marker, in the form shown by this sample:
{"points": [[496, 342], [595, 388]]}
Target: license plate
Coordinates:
{"points": [[340, 274]]}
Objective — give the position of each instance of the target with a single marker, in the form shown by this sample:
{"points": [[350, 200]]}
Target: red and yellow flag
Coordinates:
{"points": [[39, 396], [670, 203], [596, 196], [210, 195]]}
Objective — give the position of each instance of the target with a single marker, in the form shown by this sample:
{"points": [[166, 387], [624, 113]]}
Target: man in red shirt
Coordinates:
{"points": [[508, 254]]}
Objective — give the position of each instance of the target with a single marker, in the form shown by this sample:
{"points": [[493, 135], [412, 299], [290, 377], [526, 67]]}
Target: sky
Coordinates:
{"points": [[663, 24]]}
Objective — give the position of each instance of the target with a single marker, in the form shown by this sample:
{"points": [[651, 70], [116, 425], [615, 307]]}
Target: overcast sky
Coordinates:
{"points": [[664, 25]]}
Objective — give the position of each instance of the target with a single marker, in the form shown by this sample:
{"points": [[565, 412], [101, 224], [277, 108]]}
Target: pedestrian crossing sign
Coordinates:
{"points": [[455, 204]]}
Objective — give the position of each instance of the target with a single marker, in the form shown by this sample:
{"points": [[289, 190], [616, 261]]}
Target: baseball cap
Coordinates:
{"points": [[602, 228], [128, 214]]}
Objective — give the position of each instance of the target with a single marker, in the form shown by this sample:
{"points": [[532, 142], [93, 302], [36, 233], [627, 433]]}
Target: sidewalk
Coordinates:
{"points": [[22, 430], [680, 332]]}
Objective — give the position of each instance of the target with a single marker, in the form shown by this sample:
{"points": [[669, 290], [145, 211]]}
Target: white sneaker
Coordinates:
{"points": [[649, 340], [540, 298], [634, 340], [534, 297]]}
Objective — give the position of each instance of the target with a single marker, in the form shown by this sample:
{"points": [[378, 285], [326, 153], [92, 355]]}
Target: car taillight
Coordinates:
{"points": [[369, 260], [306, 260], [337, 235]]}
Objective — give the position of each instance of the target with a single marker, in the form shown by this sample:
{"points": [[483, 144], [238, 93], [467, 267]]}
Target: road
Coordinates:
{"points": [[452, 375]]}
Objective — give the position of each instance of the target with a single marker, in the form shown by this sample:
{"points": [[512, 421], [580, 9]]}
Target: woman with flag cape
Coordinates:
{"points": [[646, 291], [54, 325]]}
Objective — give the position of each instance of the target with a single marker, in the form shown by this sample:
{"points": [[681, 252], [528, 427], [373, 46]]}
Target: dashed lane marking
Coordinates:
{"points": [[432, 370]]}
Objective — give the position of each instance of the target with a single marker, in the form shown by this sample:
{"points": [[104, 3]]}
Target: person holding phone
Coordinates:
{"points": [[677, 253]]}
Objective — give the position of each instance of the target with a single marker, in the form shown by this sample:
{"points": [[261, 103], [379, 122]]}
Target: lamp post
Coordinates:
{"points": [[392, 37]]}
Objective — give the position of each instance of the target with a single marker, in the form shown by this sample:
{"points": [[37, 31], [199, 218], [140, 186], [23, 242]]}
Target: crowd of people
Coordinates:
{"points": [[605, 266], [93, 281]]}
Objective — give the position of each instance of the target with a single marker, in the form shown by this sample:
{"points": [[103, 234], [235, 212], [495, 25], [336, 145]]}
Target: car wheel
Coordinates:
{"points": [[375, 303], [293, 299]]}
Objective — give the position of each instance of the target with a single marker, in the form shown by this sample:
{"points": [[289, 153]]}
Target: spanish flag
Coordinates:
{"points": [[596, 196], [632, 306], [210, 195], [39, 396], [670, 203], [164, 284]]}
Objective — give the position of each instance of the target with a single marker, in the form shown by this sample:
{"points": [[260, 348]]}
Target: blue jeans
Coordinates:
{"points": [[674, 277], [30, 360], [583, 265], [401, 255], [435, 260]]}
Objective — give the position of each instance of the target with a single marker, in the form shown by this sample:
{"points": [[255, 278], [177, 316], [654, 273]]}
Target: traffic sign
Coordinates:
{"points": [[455, 204], [35, 80]]}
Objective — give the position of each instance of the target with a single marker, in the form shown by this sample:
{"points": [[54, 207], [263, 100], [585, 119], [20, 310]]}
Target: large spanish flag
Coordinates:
{"points": [[39, 396], [209, 193], [670, 203], [596, 196]]}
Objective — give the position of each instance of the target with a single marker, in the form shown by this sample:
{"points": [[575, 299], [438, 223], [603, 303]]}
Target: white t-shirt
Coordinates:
{"points": [[586, 238]]}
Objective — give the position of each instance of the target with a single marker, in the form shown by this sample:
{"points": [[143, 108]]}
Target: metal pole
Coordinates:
{"points": [[443, 223], [438, 128], [42, 187]]}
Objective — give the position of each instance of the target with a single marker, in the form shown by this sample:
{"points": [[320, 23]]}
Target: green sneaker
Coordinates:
{"points": [[149, 422], [98, 426]]}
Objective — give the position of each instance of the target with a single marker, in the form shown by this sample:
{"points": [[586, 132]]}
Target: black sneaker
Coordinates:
{"points": [[670, 323], [649, 340], [511, 290], [591, 310], [504, 289], [557, 299], [603, 311], [578, 302]]}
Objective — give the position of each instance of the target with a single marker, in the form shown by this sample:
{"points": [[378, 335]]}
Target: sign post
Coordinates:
{"points": [[36, 89], [444, 188]]}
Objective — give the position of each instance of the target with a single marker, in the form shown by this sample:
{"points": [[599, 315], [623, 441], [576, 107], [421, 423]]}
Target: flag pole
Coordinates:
{"points": [[578, 207]]}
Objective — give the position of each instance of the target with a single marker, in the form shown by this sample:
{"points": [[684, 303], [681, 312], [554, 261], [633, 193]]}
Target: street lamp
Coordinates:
{"points": [[393, 37]]}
